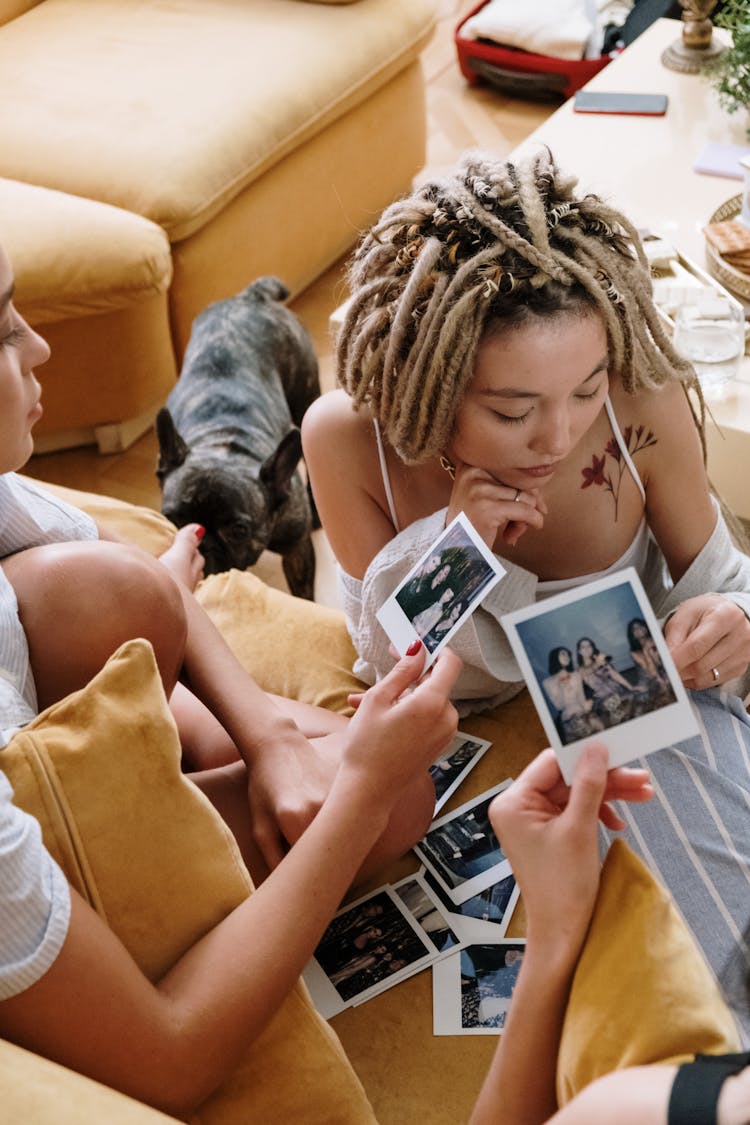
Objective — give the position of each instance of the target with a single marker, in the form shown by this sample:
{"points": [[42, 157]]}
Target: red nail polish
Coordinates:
{"points": [[414, 648], [200, 531]]}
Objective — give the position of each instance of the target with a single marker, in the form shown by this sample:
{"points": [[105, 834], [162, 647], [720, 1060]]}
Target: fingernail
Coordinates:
{"points": [[414, 648], [200, 531]]}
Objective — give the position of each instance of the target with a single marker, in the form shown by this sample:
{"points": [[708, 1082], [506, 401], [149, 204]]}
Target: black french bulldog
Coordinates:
{"points": [[229, 440]]}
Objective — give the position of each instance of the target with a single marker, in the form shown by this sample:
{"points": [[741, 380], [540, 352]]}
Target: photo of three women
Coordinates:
{"points": [[590, 694], [366, 944]]}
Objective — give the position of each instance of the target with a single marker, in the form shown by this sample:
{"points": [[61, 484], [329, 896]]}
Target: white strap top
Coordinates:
{"points": [[385, 476], [634, 555]]}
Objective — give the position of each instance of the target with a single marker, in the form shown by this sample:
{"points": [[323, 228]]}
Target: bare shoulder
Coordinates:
{"points": [[660, 423], [333, 417], [340, 452], [659, 426]]}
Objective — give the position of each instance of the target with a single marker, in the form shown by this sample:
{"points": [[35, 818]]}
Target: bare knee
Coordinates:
{"points": [[408, 824], [78, 602]]}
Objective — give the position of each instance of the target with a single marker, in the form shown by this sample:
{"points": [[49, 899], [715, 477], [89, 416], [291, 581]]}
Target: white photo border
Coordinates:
{"points": [[397, 625], [459, 739], [447, 1016], [634, 737], [471, 886]]}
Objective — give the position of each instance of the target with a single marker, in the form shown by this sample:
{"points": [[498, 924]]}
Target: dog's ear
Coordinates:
{"points": [[277, 470], [172, 449]]}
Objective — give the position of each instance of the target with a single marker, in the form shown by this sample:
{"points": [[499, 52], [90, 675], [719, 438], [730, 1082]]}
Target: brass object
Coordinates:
{"points": [[697, 44]]}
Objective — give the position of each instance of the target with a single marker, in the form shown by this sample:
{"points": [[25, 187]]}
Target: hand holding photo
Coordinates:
{"points": [[596, 664], [439, 593]]}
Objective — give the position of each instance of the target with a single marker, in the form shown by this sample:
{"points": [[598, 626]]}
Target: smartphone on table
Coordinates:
{"points": [[603, 101]]}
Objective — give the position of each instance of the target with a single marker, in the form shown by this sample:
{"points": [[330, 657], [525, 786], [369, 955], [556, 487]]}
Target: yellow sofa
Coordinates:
{"points": [[642, 993], [156, 157]]}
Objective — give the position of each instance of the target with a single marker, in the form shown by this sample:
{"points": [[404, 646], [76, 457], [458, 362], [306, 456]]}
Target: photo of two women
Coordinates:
{"points": [[445, 587]]}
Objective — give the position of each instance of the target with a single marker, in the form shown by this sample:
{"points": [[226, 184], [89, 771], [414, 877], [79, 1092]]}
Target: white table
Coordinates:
{"points": [[644, 166]]}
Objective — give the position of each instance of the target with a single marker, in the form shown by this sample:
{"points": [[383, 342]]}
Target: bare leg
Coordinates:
{"points": [[205, 743], [78, 602], [226, 788]]}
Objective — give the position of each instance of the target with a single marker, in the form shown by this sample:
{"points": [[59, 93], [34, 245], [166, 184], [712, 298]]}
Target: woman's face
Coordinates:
{"points": [[564, 658], [585, 650], [639, 631], [536, 391], [21, 349], [446, 596]]}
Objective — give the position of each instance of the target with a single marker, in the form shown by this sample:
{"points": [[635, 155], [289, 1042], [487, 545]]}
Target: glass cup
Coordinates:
{"points": [[709, 330]]}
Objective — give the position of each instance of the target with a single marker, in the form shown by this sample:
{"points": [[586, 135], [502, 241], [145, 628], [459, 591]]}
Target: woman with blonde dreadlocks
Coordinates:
{"points": [[501, 355]]}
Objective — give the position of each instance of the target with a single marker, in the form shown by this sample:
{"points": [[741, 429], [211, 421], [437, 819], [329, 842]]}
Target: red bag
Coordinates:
{"points": [[521, 73]]}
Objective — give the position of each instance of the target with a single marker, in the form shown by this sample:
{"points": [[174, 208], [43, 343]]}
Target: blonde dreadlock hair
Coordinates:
{"points": [[495, 242]]}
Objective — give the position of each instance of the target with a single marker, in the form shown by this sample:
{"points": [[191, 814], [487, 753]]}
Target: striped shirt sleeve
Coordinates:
{"points": [[34, 900]]}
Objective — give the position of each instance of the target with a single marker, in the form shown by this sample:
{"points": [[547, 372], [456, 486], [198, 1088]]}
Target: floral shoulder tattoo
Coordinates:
{"points": [[608, 470]]}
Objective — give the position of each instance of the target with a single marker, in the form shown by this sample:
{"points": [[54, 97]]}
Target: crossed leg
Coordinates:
{"points": [[78, 602]]}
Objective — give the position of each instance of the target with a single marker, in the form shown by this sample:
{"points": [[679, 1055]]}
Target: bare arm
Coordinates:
{"points": [[545, 830], [708, 631], [172, 1043]]}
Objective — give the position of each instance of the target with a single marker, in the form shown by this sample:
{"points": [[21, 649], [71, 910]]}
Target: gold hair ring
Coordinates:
{"points": [[715, 674]]}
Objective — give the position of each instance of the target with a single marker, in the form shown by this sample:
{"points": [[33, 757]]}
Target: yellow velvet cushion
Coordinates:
{"points": [[642, 992], [101, 772], [292, 647], [41, 1092]]}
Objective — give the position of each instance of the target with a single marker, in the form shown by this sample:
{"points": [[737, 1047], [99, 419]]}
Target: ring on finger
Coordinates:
{"points": [[715, 674], [517, 496]]}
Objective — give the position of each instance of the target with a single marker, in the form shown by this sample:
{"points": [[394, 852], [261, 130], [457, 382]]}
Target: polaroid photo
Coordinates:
{"points": [[472, 990], [434, 922], [461, 850], [596, 665], [454, 764], [369, 942], [428, 912], [439, 593], [484, 917]]}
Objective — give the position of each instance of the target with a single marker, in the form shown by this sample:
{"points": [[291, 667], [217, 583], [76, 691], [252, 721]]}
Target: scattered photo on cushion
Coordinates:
{"points": [[439, 593], [367, 944], [483, 917], [473, 989], [453, 766], [596, 665], [461, 850]]}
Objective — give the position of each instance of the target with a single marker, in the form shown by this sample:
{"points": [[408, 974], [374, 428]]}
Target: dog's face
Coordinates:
{"points": [[243, 505]]}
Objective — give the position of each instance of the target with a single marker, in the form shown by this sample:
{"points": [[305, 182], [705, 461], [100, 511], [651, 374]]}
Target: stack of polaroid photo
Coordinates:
{"points": [[596, 665], [451, 915]]}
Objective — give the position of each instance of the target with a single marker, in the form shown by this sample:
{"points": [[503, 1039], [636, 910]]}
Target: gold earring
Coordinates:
{"points": [[449, 467]]}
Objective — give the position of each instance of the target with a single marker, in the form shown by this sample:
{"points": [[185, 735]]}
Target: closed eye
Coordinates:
{"points": [[510, 419], [13, 338]]}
